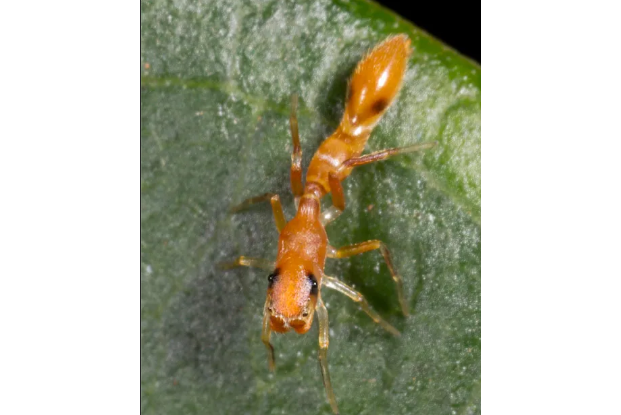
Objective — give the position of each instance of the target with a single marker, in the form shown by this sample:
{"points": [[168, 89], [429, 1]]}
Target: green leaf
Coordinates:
{"points": [[216, 80]]}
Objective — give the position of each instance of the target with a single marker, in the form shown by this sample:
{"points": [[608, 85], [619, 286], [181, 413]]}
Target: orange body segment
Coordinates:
{"points": [[374, 85], [372, 89], [299, 267]]}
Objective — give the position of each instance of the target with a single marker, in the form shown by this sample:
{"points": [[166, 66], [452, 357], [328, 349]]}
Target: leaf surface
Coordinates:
{"points": [[216, 78]]}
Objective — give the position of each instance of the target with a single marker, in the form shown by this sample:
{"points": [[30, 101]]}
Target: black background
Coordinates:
{"points": [[456, 24]]}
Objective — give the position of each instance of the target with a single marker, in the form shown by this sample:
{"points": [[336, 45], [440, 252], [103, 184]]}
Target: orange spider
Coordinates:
{"points": [[294, 291]]}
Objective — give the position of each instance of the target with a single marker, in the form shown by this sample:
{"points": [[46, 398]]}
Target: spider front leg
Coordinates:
{"points": [[243, 261], [322, 318], [265, 337]]}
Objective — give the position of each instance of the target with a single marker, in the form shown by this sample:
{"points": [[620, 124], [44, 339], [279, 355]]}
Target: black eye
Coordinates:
{"points": [[272, 278], [314, 286]]}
